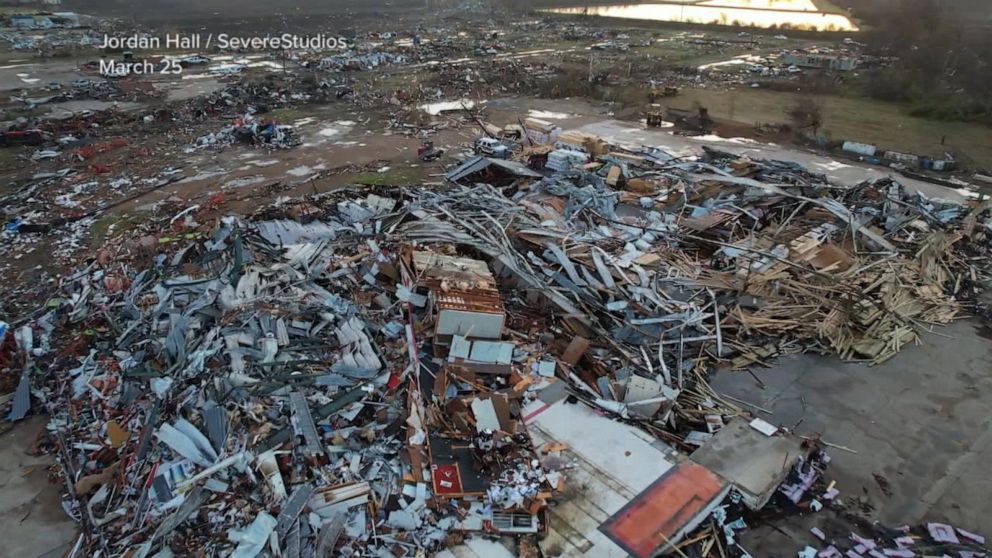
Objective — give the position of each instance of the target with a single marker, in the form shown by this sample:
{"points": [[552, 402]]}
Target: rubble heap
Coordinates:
{"points": [[360, 371]]}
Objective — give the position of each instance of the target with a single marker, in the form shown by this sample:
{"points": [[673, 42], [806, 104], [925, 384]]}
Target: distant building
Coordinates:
{"points": [[65, 19], [821, 61], [45, 21], [22, 21]]}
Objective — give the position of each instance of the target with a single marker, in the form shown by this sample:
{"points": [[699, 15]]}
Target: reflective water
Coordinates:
{"points": [[785, 14]]}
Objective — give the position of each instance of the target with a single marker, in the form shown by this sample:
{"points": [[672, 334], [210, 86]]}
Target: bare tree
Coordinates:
{"points": [[807, 116]]}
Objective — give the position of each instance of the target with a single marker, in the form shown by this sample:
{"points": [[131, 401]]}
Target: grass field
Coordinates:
{"points": [[401, 176], [864, 120], [8, 159]]}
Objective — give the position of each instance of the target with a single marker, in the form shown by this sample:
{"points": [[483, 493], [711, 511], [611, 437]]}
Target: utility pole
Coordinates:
{"points": [[285, 54]]}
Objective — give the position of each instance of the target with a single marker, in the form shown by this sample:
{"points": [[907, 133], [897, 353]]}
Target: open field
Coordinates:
{"points": [[859, 119]]}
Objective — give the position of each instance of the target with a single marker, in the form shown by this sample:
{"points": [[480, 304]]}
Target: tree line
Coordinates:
{"points": [[943, 56]]}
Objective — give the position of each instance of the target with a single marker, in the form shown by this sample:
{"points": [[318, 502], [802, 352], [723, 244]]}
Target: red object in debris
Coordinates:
{"points": [[657, 514], [99, 169], [76, 347], [447, 479], [394, 381], [91, 150], [116, 283], [22, 137], [86, 152]]}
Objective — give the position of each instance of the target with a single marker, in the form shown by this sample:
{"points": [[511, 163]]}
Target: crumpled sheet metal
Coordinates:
{"points": [[582, 190], [572, 270], [242, 318], [194, 363]]}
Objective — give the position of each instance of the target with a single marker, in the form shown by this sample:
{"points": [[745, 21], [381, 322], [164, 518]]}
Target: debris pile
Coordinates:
{"points": [[802, 489], [732, 266], [250, 131], [386, 371], [357, 61], [931, 539], [522, 351]]}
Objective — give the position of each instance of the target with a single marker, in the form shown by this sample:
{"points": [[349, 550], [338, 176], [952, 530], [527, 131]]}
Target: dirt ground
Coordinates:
{"points": [[32, 523]]}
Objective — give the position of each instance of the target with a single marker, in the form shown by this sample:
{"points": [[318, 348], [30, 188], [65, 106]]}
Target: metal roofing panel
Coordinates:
{"points": [[471, 166], [460, 347], [491, 352], [482, 301], [515, 168]]}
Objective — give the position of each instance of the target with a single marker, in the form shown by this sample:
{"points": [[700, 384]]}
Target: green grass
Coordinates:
{"points": [[829, 7], [691, 57], [683, 54], [26, 112], [8, 158], [8, 56], [101, 228], [395, 176], [402, 79], [290, 114], [884, 124], [328, 111]]}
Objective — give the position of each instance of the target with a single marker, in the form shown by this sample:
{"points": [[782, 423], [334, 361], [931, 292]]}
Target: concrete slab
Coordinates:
{"points": [[32, 523], [753, 462], [477, 548], [921, 421]]}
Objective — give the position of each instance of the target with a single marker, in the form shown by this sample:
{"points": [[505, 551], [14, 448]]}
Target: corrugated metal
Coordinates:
{"points": [[478, 324], [564, 159], [480, 163], [515, 168], [491, 352], [483, 301], [469, 167]]}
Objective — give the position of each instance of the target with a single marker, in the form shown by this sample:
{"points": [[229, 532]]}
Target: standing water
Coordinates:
{"points": [[786, 14]]}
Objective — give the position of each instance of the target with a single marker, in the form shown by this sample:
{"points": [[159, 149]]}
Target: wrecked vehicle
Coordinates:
{"points": [[23, 137], [491, 147]]}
